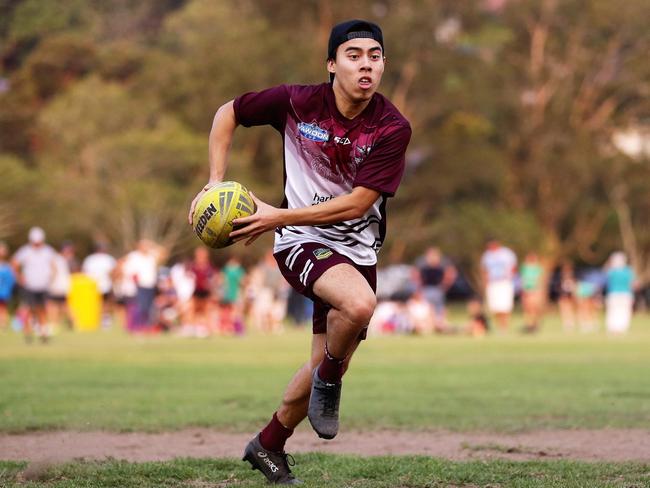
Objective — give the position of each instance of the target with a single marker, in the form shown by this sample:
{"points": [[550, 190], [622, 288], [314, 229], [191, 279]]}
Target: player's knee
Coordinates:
{"points": [[359, 309]]}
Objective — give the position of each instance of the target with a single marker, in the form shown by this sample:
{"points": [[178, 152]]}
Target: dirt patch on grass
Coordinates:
{"points": [[587, 445]]}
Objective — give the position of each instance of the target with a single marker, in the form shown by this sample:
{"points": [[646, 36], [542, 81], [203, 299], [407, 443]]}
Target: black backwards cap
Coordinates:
{"points": [[352, 29]]}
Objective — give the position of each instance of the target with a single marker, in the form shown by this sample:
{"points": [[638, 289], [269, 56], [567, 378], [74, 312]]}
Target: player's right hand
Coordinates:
{"points": [[209, 185]]}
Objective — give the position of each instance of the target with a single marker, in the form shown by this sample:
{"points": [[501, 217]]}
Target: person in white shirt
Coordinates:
{"points": [[35, 269], [141, 266], [57, 293], [100, 266], [498, 268]]}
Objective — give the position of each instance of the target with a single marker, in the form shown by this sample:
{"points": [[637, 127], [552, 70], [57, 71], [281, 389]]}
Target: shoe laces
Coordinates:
{"points": [[288, 459], [329, 403]]}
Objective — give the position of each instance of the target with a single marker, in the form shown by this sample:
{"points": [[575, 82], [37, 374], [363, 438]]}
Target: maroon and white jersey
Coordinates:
{"points": [[327, 155]]}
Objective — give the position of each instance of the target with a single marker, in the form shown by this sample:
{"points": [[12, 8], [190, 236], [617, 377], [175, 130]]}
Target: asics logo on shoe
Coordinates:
{"points": [[268, 462]]}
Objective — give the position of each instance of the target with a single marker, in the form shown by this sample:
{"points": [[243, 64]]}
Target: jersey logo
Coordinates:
{"points": [[342, 140], [313, 132], [361, 153], [322, 253]]}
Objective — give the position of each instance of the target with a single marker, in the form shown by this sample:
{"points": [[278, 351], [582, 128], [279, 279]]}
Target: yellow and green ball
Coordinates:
{"points": [[217, 208]]}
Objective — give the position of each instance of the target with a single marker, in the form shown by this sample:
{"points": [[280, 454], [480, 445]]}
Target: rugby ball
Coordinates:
{"points": [[217, 208]]}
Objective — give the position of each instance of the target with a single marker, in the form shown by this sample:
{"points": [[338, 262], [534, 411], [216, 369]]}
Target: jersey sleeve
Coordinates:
{"points": [[383, 168], [267, 107]]}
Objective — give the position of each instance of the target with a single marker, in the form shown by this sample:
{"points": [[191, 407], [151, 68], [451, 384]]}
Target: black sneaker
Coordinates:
{"points": [[273, 465], [323, 411]]}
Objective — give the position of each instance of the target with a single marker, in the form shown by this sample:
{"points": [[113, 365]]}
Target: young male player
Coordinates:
{"points": [[344, 148]]}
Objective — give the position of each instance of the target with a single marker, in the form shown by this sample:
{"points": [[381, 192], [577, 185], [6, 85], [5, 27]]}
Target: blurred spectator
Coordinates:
{"points": [[100, 266], [165, 303], [231, 304], [390, 317], [35, 269], [478, 324], [620, 294], [205, 282], [270, 293], [533, 291], [435, 276], [182, 280], [7, 282], [299, 308], [233, 276], [69, 252], [498, 268], [421, 315], [396, 282], [588, 299], [57, 307], [124, 291], [141, 267], [567, 297]]}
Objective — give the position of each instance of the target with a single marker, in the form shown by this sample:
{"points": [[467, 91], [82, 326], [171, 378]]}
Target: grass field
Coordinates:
{"points": [[110, 381], [328, 471]]}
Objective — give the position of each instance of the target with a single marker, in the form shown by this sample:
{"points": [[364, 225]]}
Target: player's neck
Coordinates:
{"points": [[347, 107]]}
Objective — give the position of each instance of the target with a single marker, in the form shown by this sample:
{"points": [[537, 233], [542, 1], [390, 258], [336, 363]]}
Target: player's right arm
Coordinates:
{"points": [[268, 106], [219, 141]]}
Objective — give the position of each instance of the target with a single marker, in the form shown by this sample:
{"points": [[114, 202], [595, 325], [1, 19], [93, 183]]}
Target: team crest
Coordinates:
{"points": [[322, 253], [313, 132]]}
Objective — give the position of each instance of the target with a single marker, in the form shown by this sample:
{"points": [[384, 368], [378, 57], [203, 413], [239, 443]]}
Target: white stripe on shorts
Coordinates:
{"points": [[291, 258], [305, 272]]}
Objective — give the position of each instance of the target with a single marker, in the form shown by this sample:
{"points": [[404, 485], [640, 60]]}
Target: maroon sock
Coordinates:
{"points": [[274, 435], [331, 369]]}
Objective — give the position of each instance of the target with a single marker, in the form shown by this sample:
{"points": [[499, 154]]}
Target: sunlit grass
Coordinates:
{"points": [[109, 380], [319, 470]]}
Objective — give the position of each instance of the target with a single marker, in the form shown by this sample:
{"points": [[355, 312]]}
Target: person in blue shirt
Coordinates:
{"points": [[620, 294], [7, 283]]}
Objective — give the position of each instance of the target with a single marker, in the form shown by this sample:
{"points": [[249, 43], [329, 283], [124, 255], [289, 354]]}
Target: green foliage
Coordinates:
{"points": [[18, 187], [138, 164], [90, 111], [513, 110], [59, 61], [199, 68], [471, 223], [37, 18]]}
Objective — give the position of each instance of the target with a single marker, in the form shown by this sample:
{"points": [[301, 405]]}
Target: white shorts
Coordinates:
{"points": [[500, 296], [618, 313]]}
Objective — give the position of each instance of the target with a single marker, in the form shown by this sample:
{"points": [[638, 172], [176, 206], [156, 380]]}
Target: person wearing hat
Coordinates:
{"points": [[344, 150], [35, 270]]}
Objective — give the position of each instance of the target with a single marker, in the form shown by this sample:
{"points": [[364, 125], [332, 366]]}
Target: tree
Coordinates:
{"points": [[127, 165], [21, 196]]}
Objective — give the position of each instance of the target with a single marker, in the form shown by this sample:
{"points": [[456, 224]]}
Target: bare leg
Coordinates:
{"points": [[41, 317], [4, 316], [503, 320], [567, 313], [28, 318], [353, 303]]}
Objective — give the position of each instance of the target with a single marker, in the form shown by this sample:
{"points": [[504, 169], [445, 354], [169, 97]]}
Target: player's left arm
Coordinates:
{"points": [[345, 207]]}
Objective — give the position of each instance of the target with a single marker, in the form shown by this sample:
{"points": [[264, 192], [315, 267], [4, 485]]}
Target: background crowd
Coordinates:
{"points": [[42, 290]]}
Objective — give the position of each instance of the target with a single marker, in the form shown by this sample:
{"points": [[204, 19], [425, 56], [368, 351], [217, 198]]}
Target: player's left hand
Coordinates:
{"points": [[266, 218]]}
